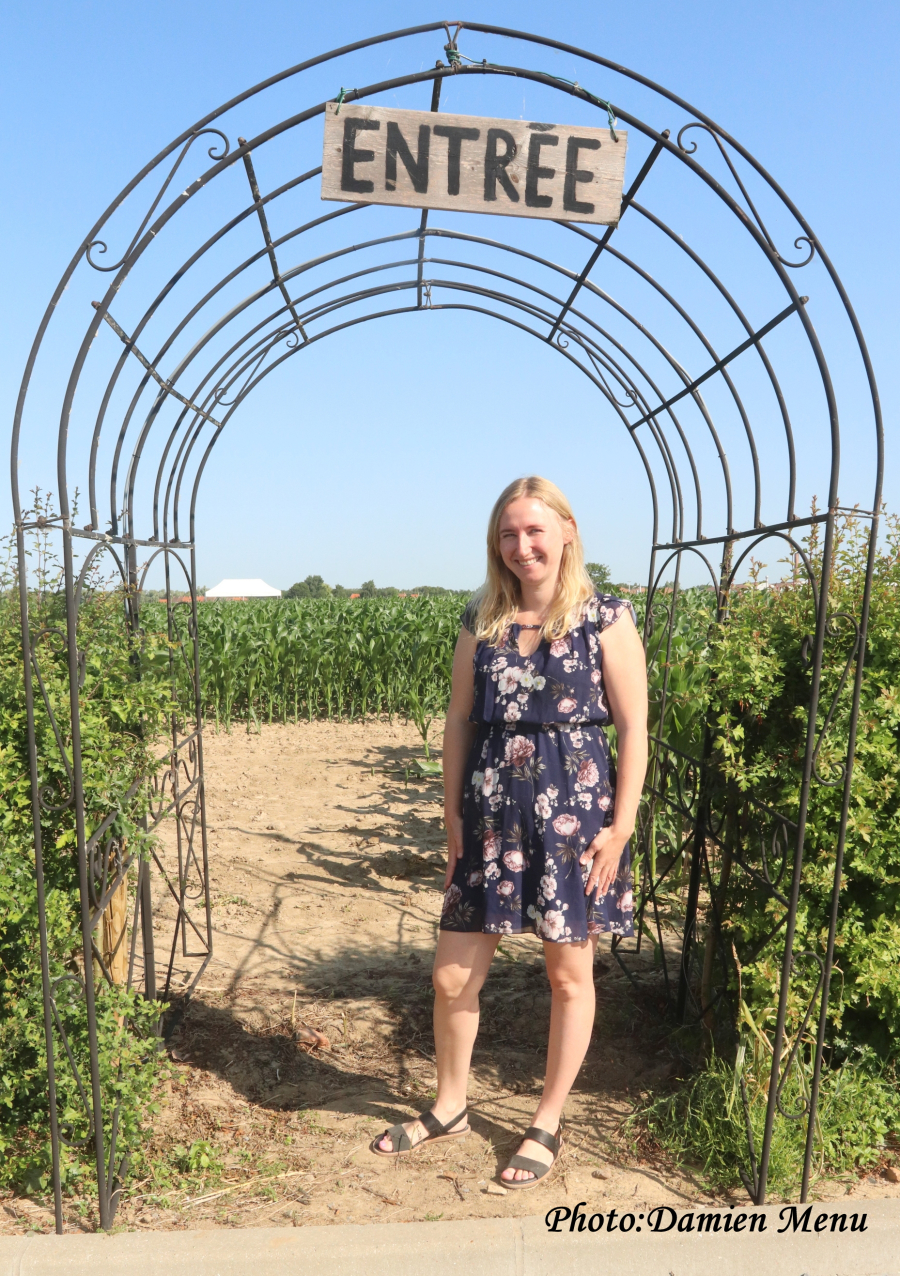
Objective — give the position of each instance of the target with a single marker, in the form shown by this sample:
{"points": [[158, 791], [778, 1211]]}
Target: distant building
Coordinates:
{"points": [[239, 590]]}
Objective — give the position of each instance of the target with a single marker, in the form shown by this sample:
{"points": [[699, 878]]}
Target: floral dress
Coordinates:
{"points": [[538, 787]]}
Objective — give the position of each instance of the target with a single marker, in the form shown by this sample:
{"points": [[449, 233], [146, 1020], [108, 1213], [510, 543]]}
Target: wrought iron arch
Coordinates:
{"points": [[170, 352]]}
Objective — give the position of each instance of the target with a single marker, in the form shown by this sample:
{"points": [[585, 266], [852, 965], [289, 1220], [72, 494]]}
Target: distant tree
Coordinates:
{"points": [[315, 587], [599, 574], [312, 587]]}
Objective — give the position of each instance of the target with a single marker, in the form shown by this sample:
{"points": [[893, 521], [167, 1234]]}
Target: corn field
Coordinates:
{"points": [[280, 660]]}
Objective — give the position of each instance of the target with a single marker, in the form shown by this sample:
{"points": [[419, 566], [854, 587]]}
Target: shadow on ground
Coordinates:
{"points": [[375, 1008]]}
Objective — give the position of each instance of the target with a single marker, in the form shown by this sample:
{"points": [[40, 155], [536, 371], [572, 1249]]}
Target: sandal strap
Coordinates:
{"points": [[400, 1140], [434, 1126], [537, 1168], [543, 1137], [431, 1123]]}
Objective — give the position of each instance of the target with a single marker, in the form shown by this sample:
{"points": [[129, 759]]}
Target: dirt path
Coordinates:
{"points": [[327, 872], [326, 875]]}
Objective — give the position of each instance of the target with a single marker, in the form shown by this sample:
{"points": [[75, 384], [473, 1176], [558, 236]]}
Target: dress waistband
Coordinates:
{"points": [[532, 728]]}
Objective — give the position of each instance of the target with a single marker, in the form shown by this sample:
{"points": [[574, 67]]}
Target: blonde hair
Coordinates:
{"points": [[500, 597]]}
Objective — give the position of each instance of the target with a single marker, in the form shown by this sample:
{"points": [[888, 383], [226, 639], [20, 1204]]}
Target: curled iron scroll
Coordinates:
{"points": [[47, 794], [159, 794], [780, 841], [792, 1059], [600, 370], [100, 244], [839, 768], [685, 783], [66, 1127], [690, 147], [108, 869]]}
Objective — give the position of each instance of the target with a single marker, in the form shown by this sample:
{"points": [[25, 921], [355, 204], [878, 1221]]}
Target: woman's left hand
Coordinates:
{"points": [[605, 851]]}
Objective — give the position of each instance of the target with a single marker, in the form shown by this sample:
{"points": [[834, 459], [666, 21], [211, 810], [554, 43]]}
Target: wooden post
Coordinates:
{"points": [[115, 928]]}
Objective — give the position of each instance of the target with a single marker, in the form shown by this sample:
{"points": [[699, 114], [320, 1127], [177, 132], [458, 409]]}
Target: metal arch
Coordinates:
{"points": [[384, 314], [287, 275], [269, 287], [260, 254], [339, 327], [748, 327], [539, 77], [611, 364], [528, 38], [543, 261], [508, 299], [621, 309]]}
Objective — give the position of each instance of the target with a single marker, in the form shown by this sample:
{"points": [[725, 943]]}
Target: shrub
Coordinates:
{"points": [[312, 587], [704, 1123], [761, 693], [756, 697], [120, 713]]}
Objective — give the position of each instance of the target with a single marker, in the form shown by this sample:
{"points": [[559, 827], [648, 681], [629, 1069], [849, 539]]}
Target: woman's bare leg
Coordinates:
{"points": [[570, 968], [461, 964]]}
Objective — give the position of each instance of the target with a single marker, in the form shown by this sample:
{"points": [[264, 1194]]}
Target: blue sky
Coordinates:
{"points": [[379, 457]]}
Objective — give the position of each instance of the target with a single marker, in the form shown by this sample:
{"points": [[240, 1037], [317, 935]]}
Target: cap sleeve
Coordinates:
{"points": [[469, 617], [609, 609]]}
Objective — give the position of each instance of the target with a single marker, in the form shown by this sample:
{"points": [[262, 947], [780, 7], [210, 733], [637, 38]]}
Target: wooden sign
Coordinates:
{"points": [[424, 159]]}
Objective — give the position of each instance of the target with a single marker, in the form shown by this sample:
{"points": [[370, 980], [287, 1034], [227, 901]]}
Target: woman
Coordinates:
{"points": [[537, 825]]}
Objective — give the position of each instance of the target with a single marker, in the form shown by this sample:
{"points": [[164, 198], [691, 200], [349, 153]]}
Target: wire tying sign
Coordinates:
{"points": [[420, 159]]}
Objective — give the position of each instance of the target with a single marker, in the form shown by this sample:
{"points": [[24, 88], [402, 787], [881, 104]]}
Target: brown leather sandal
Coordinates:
{"points": [[401, 1142], [537, 1168]]}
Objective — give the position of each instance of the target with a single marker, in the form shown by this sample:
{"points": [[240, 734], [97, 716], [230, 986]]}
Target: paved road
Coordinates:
{"points": [[780, 1241]]}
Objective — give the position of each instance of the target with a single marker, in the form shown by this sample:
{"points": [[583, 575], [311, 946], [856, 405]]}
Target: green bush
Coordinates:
{"points": [[751, 678], [704, 1122], [312, 587], [761, 692], [120, 713]]}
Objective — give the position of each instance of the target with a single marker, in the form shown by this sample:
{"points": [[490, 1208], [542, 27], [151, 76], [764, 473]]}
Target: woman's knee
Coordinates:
{"points": [[453, 982], [447, 981], [461, 964], [571, 980], [565, 988]]}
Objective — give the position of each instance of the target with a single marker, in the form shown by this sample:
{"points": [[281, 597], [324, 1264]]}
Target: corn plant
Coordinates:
{"points": [[283, 659]]}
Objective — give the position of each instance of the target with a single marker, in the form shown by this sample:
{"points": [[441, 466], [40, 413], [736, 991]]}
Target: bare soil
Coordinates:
{"points": [[326, 857]]}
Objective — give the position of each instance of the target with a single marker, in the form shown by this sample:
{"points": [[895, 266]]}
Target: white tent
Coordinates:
{"points": [[243, 589]]}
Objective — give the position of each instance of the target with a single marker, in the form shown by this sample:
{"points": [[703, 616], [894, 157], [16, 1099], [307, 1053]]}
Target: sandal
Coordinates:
{"points": [[537, 1168], [401, 1142]]}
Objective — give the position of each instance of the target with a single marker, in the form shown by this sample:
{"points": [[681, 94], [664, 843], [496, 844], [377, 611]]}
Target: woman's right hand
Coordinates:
{"points": [[454, 825]]}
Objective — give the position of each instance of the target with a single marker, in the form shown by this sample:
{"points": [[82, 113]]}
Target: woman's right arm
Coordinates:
{"points": [[459, 733]]}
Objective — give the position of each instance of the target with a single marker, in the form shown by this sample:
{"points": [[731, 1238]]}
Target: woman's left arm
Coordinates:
{"points": [[625, 679]]}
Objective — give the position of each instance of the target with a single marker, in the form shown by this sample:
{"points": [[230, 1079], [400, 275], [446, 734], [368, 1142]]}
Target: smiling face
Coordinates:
{"points": [[531, 539]]}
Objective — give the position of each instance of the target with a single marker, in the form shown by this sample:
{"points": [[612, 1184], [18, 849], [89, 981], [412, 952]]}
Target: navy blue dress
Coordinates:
{"points": [[538, 788]]}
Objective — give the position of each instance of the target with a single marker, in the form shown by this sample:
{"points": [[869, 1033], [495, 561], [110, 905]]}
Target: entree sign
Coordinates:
{"points": [[424, 159]]}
